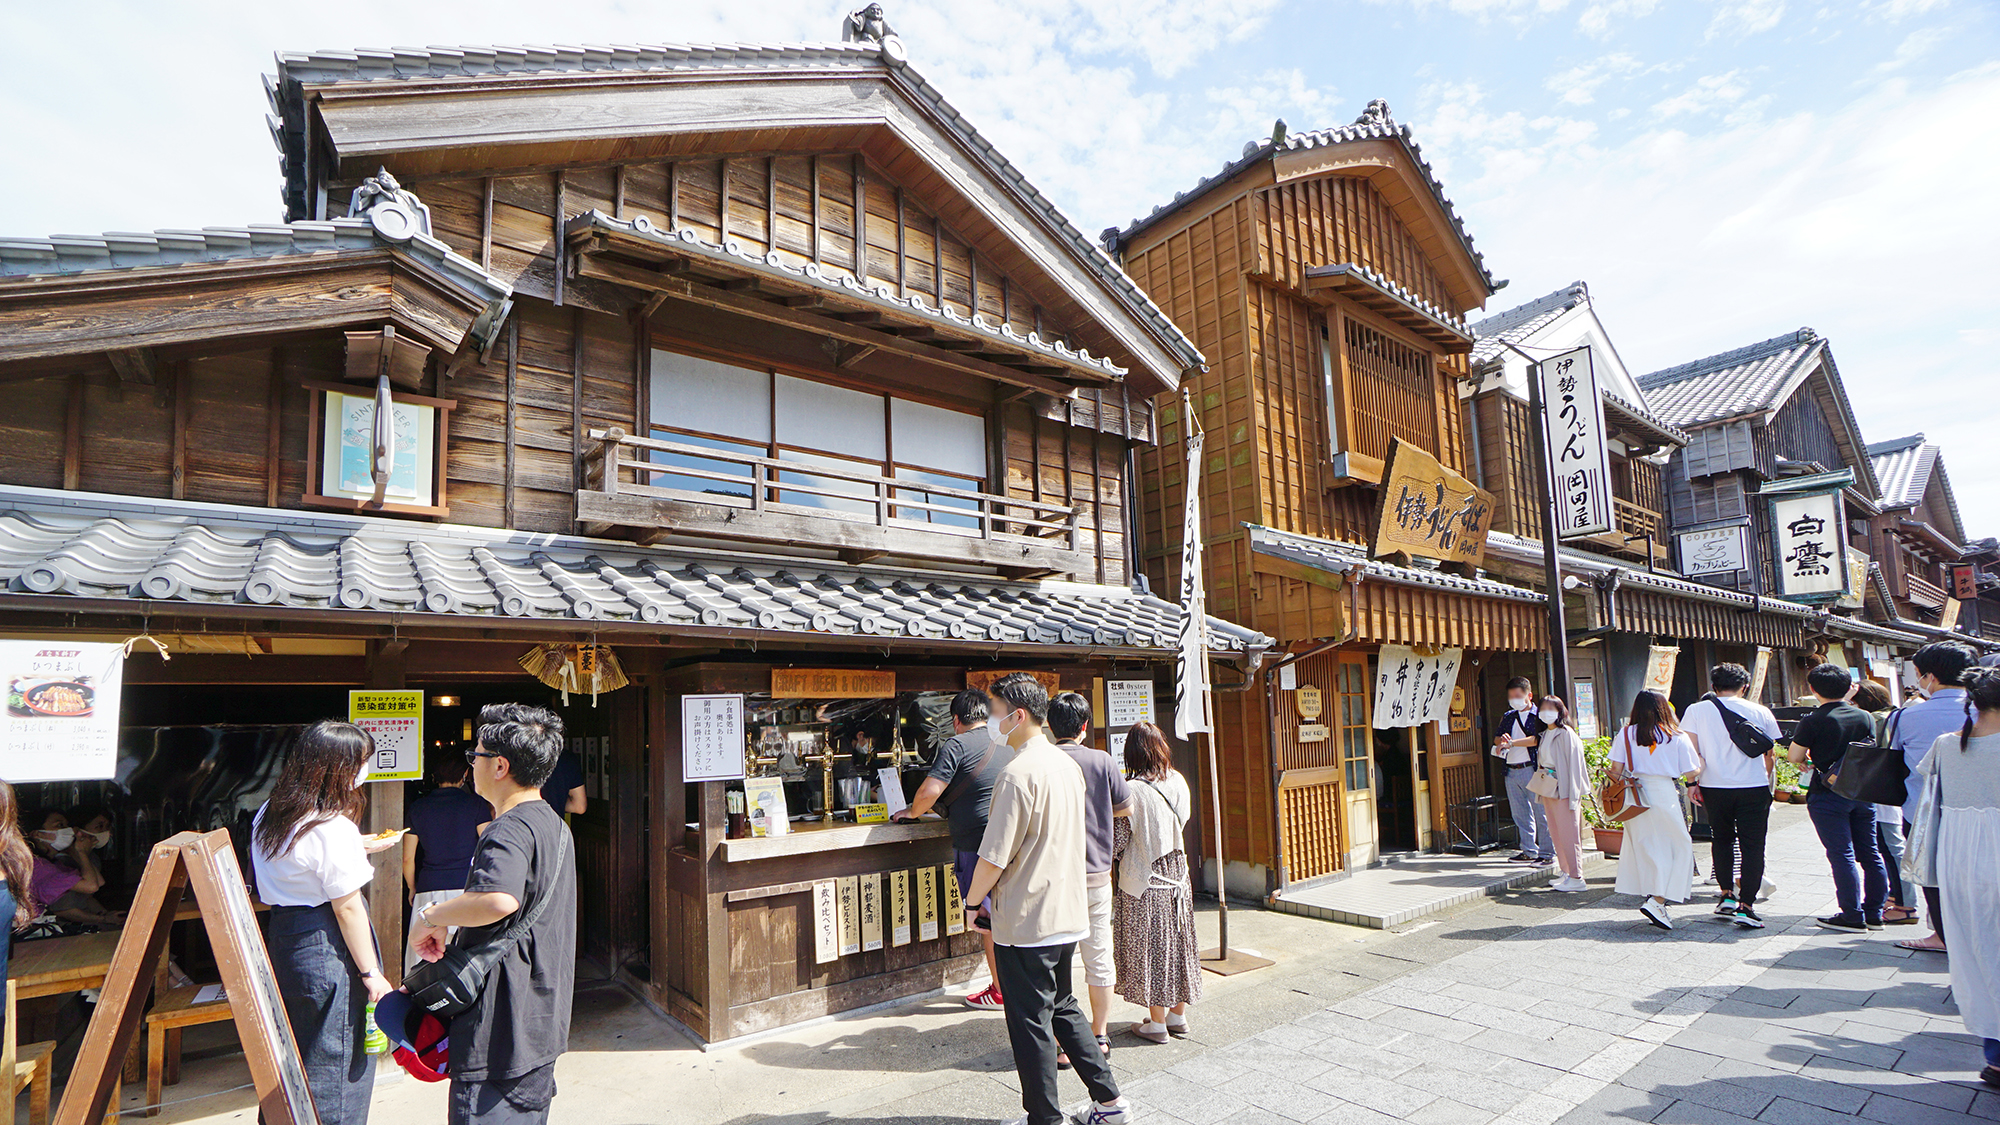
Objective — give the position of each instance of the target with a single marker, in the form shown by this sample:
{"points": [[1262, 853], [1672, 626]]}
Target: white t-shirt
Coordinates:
{"points": [[1723, 765], [325, 863], [1672, 758]]}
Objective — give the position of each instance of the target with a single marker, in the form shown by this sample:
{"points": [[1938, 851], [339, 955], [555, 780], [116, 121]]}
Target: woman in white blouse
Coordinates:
{"points": [[1561, 756], [1657, 860], [311, 863]]}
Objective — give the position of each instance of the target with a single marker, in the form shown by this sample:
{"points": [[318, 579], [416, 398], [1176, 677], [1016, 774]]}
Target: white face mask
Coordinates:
{"points": [[58, 838], [361, 777], [1518, 703], [997, 728], [99, 840], [1547, 716]]}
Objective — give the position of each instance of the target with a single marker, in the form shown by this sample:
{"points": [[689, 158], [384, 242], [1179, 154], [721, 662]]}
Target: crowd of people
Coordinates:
{"points": [[1057, 853], [1936, 840]]}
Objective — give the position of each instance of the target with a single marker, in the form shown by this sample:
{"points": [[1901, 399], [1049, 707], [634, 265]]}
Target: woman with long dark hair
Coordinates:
{"points": [[1152, 908], [1657, 860], [1967, 768], [17, 866], [311, 864], [1561, 758]]}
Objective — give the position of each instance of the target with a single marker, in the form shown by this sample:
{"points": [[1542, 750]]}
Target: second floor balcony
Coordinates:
{"points": [[650, 488]]}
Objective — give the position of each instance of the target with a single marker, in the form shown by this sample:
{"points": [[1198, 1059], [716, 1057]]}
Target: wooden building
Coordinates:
{"points": [[737, 361], [1326, 277], [1921, 560]]}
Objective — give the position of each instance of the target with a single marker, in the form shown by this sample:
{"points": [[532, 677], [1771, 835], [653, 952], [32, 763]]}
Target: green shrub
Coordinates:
{"points": [[1597, 760]]}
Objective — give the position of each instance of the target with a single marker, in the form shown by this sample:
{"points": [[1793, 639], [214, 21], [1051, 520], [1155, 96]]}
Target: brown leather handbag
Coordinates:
{"points": [[1621, 799]]}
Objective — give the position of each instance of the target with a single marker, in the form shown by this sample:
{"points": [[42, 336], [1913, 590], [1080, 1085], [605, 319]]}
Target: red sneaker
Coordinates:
{"points": [[988, 998]]}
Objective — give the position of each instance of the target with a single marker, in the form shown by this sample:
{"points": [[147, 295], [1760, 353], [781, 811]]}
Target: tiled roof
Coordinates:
{"points": [[1374, 124], [72, 253], [1521, 322], [882, 293], [1904, 467], [168, 553], [431, 64], [1742, 381], [1328, 554], [1518, 549]]}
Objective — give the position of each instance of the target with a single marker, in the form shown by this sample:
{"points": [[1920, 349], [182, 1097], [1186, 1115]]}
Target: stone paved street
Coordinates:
{"points": [[1530, 1008]]}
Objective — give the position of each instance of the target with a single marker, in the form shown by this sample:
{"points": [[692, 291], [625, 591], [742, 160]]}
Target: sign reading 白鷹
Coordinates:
{"points": [[1579, 459], [1412, 689], [1429, 510], [1715, 550], [1808, 546], [61, 718]]}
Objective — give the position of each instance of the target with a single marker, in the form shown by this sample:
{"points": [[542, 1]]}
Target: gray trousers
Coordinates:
{"points": [[1531, 821], [327, 1007], [523, 1100]]}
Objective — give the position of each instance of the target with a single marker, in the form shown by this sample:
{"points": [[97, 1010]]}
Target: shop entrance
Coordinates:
{"points": [[1396, 803]]}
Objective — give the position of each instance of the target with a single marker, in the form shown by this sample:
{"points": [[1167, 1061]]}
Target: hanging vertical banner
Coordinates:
{"points": [[1191, 674], [1758, 671], [1411, 688], [61, 719], [1579, 457], [1661, 661], [395, 720], [899, 908], [826, 922], [848, 890], [871, 912], [1808, 546]]}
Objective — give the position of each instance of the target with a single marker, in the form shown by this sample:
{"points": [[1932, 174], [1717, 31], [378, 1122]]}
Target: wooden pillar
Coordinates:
{"points": [[385, 811]]}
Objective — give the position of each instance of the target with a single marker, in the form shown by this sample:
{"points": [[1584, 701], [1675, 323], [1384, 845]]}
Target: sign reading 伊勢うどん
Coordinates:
{"points": [[1579, 459], [1430, 510], [61, 718]]}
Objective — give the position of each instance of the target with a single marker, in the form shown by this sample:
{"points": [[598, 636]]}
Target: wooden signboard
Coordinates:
{"points": [[871, 912], [954, 905], [848, 890], [984, 680], [927, 904], [1314, 732], [209, 863], [899, 908], [832, 683], [1428, 510], [1311, 702]]}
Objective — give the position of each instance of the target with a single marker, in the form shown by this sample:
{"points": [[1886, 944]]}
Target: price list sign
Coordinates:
{"points": [[712, 737], [61, 718]]}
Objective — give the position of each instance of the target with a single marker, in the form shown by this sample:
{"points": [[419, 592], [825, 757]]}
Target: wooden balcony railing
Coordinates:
{"points": [[813, 504], [1923, 593], [1635, 520]]}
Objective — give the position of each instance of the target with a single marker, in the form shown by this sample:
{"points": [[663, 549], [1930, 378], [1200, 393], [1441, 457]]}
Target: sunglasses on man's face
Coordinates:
{"points": [[472, 756]]}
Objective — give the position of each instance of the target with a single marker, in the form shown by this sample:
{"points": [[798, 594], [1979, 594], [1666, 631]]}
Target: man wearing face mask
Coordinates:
{"points": [[1032, 862], [961, 785], [1514, 744], [1913, 729]]}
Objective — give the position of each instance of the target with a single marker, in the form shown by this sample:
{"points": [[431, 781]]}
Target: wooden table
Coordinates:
{"points": [[53, 966]]}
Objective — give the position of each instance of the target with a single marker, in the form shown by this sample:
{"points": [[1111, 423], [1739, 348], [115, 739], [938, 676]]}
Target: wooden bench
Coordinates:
{"points": [[174, 1010], [32, 1067]]}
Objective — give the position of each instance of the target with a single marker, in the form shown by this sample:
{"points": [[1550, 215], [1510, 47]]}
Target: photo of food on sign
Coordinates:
{"points": [[35, 697]]}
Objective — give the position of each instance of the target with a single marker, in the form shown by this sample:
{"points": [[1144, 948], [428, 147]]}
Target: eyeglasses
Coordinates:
{"points": [[472, 756]]}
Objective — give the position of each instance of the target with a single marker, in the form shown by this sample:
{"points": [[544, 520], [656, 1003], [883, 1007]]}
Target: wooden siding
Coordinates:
{"points": [[1799, 431], [1337, 219], [1717, 449], [1644, 611]]}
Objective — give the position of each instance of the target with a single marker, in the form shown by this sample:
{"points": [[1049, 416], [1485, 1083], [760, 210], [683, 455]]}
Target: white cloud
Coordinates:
{"points": [[1578, 85], [1711, 94], [1904, 9], [1914, 46], [1745, 17], [1595, 19]]}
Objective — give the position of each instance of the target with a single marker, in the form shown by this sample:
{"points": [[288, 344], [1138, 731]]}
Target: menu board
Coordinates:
{"points": [[927, 904], [849, 890], [954, 905], [899, 908], [395, 720], [871, 912], [826, 922], [712, 741], [1127, 702], [61, 718]]}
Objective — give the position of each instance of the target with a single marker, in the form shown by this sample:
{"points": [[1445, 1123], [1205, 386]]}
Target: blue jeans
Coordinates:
{"points": [[1531, 822], [1847, 831], [1992, 1051]]}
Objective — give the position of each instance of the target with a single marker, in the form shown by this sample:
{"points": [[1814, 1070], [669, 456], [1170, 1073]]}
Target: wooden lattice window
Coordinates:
{"points": [[1312, 830], [1395, 391]]}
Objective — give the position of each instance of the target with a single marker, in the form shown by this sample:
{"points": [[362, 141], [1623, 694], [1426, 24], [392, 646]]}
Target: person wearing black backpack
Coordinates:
{"points": [[1846, 827], [1735, 737]]}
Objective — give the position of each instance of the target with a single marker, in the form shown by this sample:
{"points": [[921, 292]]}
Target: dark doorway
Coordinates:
{"points": [[1396, 796]]}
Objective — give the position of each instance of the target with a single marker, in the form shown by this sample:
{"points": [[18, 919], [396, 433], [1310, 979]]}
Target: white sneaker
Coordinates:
{"points": [[1150, 1031], [1656, 914], [1767, 890], [1569, 884], [1117, 1113]]}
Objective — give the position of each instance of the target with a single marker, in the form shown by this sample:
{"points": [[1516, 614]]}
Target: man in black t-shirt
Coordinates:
{"points": [[1846, 828], [504, 1047]]}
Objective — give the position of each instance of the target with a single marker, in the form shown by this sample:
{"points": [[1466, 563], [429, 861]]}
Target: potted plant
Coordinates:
{"points": [[1788, 788], [1606, 833]]}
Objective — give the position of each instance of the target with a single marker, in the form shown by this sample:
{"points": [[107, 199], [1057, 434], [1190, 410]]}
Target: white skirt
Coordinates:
{"points": [[1968, 859], [1658, 855]]}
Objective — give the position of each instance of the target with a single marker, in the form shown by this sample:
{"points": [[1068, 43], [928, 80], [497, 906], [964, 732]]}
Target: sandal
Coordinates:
{"points": [[1899, 916], [1062, 1061], [1917, 945], [1104, 1045]]}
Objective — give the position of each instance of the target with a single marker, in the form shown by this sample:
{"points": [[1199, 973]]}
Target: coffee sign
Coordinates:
{"points": [[1430, 510]]}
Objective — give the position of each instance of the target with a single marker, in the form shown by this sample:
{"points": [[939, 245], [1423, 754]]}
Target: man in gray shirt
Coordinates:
{"points": [[1106, 797], [961, 781]]}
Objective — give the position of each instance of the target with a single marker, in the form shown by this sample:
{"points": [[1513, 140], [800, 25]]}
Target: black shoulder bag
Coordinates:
{"points": [[1753, 742], [452, 983], [1871, 772]]}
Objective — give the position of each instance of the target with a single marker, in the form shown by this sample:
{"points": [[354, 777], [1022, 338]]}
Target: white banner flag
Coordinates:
{"points": [[1191, 678]]}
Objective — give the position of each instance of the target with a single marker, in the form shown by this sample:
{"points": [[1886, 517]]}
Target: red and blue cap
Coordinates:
{"points": [[419, 1041]]}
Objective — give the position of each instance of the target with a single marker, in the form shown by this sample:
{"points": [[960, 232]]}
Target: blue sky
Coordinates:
{"points": [[1719, 172]]}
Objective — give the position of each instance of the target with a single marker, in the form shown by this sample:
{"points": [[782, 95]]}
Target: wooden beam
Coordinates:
{"points": [[486, 224], [136, 367], [639, 277], [562, 255], [853, 354], [513, 384], [183, 390], [576, 396], [72, 463], [274, 413]]}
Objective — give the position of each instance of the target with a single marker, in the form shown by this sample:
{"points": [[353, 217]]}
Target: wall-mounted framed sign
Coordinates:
{"points": [[340, 445], [1311, 702], [1714, 551], [1809, 547]]}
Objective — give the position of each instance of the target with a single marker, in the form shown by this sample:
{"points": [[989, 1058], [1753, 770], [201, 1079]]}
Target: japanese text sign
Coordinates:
{"points": [[1412, 689], [1127, 702], [61, 719], [1429, 510], [1579, 458], [1807, 543], [395, 719], [711, 737], [1716, 550]]}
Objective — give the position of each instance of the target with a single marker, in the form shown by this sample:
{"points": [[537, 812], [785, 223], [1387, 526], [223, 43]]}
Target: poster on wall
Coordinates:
{"points": [[61, 720], [1413, 688], [395, 719], [1579, 458], [712, 737], [1808, 546], [1584, 712], [1660, 663]]}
